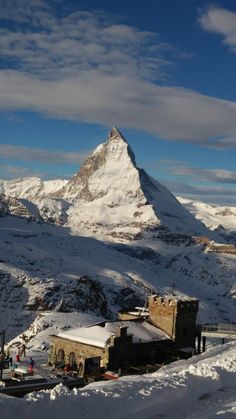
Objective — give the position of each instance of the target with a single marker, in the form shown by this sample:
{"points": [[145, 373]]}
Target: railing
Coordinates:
{"points": [[229, 328]]}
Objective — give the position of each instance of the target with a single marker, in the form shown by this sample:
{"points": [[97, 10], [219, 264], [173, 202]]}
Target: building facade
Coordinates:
{"points": [[168, 326]]}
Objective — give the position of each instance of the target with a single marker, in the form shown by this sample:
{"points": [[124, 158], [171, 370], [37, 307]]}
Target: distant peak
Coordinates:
{"points": [[115, 134]]}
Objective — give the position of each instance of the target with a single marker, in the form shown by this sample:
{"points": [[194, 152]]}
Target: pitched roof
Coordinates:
{"points": [[100, 334]]}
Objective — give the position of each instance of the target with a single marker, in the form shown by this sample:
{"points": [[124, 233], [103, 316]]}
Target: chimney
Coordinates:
{"points": [[121, 331]]}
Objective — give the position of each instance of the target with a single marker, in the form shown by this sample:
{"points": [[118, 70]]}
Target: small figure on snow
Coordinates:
{"points": [[22, 349], [18, 356], [8, 360], [31, 366], [67, 368]]}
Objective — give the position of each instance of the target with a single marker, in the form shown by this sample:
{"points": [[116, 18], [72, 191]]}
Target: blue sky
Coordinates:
{"points": [[163, 72]]}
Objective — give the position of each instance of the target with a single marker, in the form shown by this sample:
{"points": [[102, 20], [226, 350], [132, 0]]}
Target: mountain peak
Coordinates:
{"points": [[115, 134], [124, 197]]}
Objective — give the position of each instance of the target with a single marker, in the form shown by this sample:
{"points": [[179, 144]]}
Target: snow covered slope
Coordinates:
{"points": [[45, 268], [201, 387], [30, 187], [211, 215]]}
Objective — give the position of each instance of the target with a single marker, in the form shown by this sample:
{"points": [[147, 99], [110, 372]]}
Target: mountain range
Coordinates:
{"points": [[109, 194], [106, 238]]}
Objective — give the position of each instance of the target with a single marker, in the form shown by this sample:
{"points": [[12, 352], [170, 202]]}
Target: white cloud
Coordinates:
{"points": [[198, 174], [56, 46], [87, 66], [171, 113], [212, 194], [8, 171], [221, 22], [41, 155], [208, 185]]}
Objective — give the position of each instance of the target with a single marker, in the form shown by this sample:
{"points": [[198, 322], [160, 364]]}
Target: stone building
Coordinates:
{"points": [[140, 337], [176, 316]]}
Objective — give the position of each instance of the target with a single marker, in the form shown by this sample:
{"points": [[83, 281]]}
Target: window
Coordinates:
{"points": [[72, 358]]}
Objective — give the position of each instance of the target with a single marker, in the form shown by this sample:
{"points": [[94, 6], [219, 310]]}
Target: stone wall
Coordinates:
{"points": [[175, 317], [80, 350], [162, 314], [121, 353]]}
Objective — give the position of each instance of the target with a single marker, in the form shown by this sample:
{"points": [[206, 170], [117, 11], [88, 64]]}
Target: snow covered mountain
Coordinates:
{"points": [[103, 240], [31, 197], [211, 215], [112, 195], [30, 187], [220, 219]]}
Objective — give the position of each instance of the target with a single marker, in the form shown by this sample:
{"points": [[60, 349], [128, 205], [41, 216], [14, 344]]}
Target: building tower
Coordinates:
{"points": [[176, 316]]}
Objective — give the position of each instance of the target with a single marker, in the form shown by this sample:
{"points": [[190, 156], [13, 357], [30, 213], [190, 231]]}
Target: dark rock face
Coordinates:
{"points": [[86, 294], [11, 205], [142, 253], [12, 297], [127, 299], [80, 181], [92, 297], [4, 209]]}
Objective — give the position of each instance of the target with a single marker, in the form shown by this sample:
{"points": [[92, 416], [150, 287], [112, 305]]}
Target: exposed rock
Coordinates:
{"points": [[12, 205], [142, 253], [85, 294]]}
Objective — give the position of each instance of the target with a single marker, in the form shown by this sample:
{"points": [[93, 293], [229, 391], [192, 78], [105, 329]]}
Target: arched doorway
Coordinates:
{"points": [[61, 356]]}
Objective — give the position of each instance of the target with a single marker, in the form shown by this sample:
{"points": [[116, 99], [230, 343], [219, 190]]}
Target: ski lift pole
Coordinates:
{"points": [[2, 351]]}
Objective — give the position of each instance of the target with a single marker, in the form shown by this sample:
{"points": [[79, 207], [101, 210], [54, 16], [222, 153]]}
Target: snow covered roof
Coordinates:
{"points": [[94, 335], [178, 297], [142, 331], [99, 335]]}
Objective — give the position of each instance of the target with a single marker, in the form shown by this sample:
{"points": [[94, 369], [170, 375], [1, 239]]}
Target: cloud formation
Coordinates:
{"points": [[212, 194], [8, 171], [199, 174], [87, 66], [209, 185], [41, 155], [59, 46], [222, 22]]}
